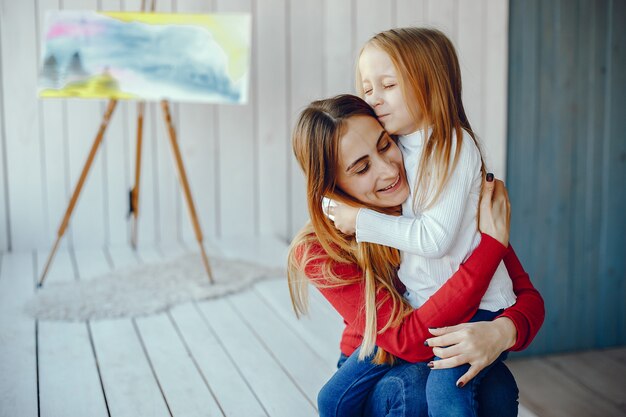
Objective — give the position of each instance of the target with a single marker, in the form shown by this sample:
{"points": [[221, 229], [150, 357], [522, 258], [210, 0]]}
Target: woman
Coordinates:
{"points": [[360, 279]]}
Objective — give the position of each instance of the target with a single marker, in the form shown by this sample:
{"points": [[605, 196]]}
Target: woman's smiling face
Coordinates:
{"points": [[370, 164]]}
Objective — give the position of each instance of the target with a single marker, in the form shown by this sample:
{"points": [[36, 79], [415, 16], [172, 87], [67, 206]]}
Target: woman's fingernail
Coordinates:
{"points": [[425, 342], [489, 177], [460, 384], [431, 365]]}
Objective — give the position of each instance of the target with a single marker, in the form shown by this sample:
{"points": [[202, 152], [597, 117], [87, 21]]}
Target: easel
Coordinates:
{"points": [[134, 192]]}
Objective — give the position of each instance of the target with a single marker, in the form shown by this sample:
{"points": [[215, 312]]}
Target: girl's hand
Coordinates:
{"points": [[477, 344], [494, 214], [344, 217]]}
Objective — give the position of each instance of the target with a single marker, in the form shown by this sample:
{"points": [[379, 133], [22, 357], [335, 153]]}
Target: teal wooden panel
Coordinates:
{"points": [[613, 231], [567, 165], [588, 159]]}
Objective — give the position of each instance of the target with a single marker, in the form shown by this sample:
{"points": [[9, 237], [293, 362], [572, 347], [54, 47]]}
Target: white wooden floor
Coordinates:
{"points": [[244, 355]]}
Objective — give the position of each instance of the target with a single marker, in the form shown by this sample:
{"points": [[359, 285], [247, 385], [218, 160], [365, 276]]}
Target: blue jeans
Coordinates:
{"points": [[444, 398], [360, 388]]}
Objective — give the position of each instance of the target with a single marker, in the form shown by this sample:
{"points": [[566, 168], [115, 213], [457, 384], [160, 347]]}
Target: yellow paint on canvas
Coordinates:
{"points": [[98, 86], [231, 32]]}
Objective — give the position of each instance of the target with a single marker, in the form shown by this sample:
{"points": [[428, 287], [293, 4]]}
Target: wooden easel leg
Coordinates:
{"points": [[79, 186], [134, 192], [182, 176]]}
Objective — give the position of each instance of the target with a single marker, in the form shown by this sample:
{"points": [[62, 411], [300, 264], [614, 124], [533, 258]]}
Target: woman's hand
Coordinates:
{"points": [[344, 217], [477, 344], [494, 214]]}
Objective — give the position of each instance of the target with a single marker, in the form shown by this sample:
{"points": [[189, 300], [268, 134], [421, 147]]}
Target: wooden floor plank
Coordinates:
{"points": [[266, 251], [617, 354], [231, 391], [525, 412], [129, 382], [61, 269], [272, 386], [91, 263], [68, 372], [184, 387], [308, 370], [320, 331], [220, 371], [18, 361], [550, 393], [600, 374]]}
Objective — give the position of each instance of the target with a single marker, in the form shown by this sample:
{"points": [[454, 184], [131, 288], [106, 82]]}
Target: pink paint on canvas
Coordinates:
{"points": [[73, 30]]}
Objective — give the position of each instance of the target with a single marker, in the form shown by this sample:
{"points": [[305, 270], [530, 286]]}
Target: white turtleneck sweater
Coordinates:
{"points": [[435, 242]]}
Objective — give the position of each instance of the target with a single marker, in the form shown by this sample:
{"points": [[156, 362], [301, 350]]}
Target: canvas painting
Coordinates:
{"points": [[146, 56]]}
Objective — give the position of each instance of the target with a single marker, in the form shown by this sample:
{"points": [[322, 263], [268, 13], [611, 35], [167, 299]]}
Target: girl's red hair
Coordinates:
{"points": [[428, 71]]}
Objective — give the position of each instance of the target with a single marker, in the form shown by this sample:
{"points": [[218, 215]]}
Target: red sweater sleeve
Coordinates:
{"points": [[455, 302], [528, 312]]}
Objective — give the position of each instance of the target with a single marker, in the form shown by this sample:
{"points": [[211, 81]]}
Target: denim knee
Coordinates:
{"points": [[498, 393], [445, 398], [400, 393], [327, 401], [390, 392], [331, 401]]}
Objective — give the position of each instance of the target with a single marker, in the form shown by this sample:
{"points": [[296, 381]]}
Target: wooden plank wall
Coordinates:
{"points": [[4, 215], [242, 173], [566, 165]]}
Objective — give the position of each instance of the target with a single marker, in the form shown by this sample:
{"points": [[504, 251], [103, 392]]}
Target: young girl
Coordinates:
{"points": [[412, 80]]}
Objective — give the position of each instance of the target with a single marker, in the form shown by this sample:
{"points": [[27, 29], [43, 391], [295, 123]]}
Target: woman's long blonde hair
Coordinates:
{"points": [[428, 71], [315, 143]]}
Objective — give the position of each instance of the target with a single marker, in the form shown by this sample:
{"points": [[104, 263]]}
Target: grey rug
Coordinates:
{"points": [[146, 289]]}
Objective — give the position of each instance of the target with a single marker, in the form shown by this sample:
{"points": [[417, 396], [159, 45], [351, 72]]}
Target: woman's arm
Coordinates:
{"points": [[456, 301], [528, 312], [479, 344]]}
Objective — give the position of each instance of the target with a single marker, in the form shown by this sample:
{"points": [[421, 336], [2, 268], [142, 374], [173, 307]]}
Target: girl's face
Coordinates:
{"points": [[370, 164], [382, 92]]}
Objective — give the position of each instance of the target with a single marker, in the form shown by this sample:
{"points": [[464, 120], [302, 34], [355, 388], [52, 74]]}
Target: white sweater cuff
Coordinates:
{"points": [[375, 227]]}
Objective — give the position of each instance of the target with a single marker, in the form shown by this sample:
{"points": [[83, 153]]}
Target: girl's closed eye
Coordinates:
{"points": [[385, 147], [363, 169], [388, 86]]}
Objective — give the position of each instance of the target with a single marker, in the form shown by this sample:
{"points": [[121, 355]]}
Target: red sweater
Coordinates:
{"points": [[455, 302]]}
